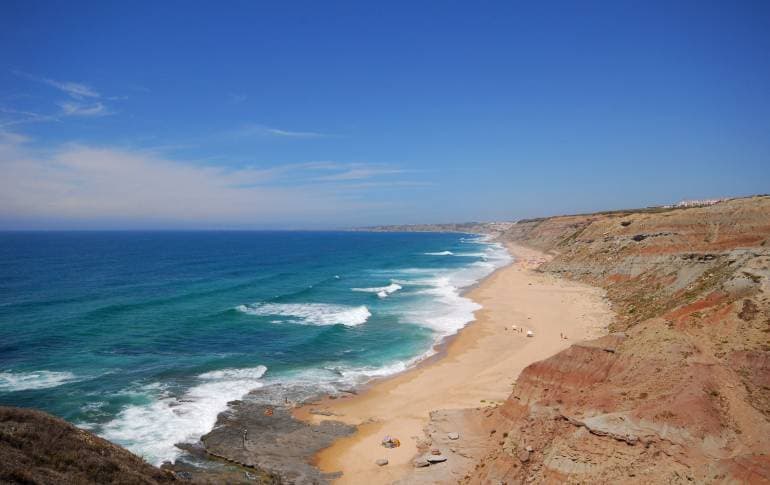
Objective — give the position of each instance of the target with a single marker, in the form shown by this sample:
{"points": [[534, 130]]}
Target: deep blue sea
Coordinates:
{"points": [[143, 337]]}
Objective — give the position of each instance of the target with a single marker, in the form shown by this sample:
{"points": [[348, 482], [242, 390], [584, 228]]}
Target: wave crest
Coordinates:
{"points": [[24, 381], [382, 291], [311, 313]]}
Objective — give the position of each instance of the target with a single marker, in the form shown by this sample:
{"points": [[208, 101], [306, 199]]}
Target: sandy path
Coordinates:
{"points": [[481, 363]]}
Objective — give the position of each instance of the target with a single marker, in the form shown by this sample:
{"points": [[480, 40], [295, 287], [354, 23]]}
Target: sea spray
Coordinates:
{"points": [[152, 430]]}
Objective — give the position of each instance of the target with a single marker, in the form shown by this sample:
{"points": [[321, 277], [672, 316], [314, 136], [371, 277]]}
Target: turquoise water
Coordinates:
{"points": [[143, 337]]}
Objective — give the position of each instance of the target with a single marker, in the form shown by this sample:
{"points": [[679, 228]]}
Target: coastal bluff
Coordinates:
{"points": [[679, 390], [36, 447]]}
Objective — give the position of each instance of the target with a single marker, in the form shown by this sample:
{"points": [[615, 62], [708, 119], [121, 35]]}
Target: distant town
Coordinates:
{"points": [[697, 202]]}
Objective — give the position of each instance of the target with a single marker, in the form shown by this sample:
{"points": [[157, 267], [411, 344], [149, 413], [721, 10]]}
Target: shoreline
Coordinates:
{"points": [[437, 350], [475, 366]]}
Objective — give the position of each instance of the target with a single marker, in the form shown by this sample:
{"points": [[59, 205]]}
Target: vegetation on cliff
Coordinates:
{"points": [[36, 447], [680, 389]]}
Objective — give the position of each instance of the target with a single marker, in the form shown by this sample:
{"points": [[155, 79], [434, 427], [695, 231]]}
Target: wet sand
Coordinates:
{"points": [[477, 367]]}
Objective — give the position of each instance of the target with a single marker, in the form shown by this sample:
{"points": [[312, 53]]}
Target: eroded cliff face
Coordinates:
{"points": [[680, 389]]}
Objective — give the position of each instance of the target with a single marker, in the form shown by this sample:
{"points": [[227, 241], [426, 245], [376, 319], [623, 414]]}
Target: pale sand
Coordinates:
{"points": [[481, 363]]}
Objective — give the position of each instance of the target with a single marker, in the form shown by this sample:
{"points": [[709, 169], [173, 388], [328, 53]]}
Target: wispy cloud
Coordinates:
{"points": [[362, 172], [86, 186], [84, 100], [295, 134], [20, 117], [255, 130], [74, 90], [236, 98], [73, 108], [387, 184]]}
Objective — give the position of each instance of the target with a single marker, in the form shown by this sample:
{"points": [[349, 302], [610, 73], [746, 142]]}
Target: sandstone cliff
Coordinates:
{"points": [[680, 390]]}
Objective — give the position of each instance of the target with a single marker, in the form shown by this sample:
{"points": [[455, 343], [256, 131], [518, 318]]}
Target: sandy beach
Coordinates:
{"points": [[476, 368]]}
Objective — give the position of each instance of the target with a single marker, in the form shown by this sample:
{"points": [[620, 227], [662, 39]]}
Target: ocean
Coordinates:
{"points": [[144, 337]]}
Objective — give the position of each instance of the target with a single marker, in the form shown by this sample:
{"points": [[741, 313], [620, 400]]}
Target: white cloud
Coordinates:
{"points": [[295, 134], [74, 90], [360, 173], [72, 108], [251, 130], [83, 101], [102, 187], [19, 117], [237, 98]]}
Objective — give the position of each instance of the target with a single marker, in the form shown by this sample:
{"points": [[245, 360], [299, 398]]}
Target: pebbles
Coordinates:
{"points": [[432, 458], [436, 458], [523, 456], [381, 462]]}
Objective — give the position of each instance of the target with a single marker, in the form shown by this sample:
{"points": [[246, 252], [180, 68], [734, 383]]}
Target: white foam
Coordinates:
{"points": [[360, 375], [43, 379], [476, 239], [330, 379], [235, 374], [445, 310], [354, 376], [382, 291], [440, 253], [151, 430], [427, 271], [311, 313]]}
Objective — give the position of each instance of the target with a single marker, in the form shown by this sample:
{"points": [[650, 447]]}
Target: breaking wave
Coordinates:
{"points": [[152, 429], [381, 291], [24, 381], [311, 313]]}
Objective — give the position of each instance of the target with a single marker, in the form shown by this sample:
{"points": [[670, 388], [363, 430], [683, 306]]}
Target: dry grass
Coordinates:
{"points": [[36, 448]]}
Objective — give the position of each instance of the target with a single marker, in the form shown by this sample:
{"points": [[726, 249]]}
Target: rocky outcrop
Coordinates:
{"points": [[270, 439], [36, 447], [680, 391]]}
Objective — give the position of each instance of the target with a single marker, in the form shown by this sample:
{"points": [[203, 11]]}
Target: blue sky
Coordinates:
{"points": [[332, 114]]}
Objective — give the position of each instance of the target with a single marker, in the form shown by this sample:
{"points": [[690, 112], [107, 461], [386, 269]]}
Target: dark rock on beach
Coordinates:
{"points": [[249, 435]]}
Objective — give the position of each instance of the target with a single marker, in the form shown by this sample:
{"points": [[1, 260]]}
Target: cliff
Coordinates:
{"points": [[680, 389], [487, 228], [36, 447]]}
